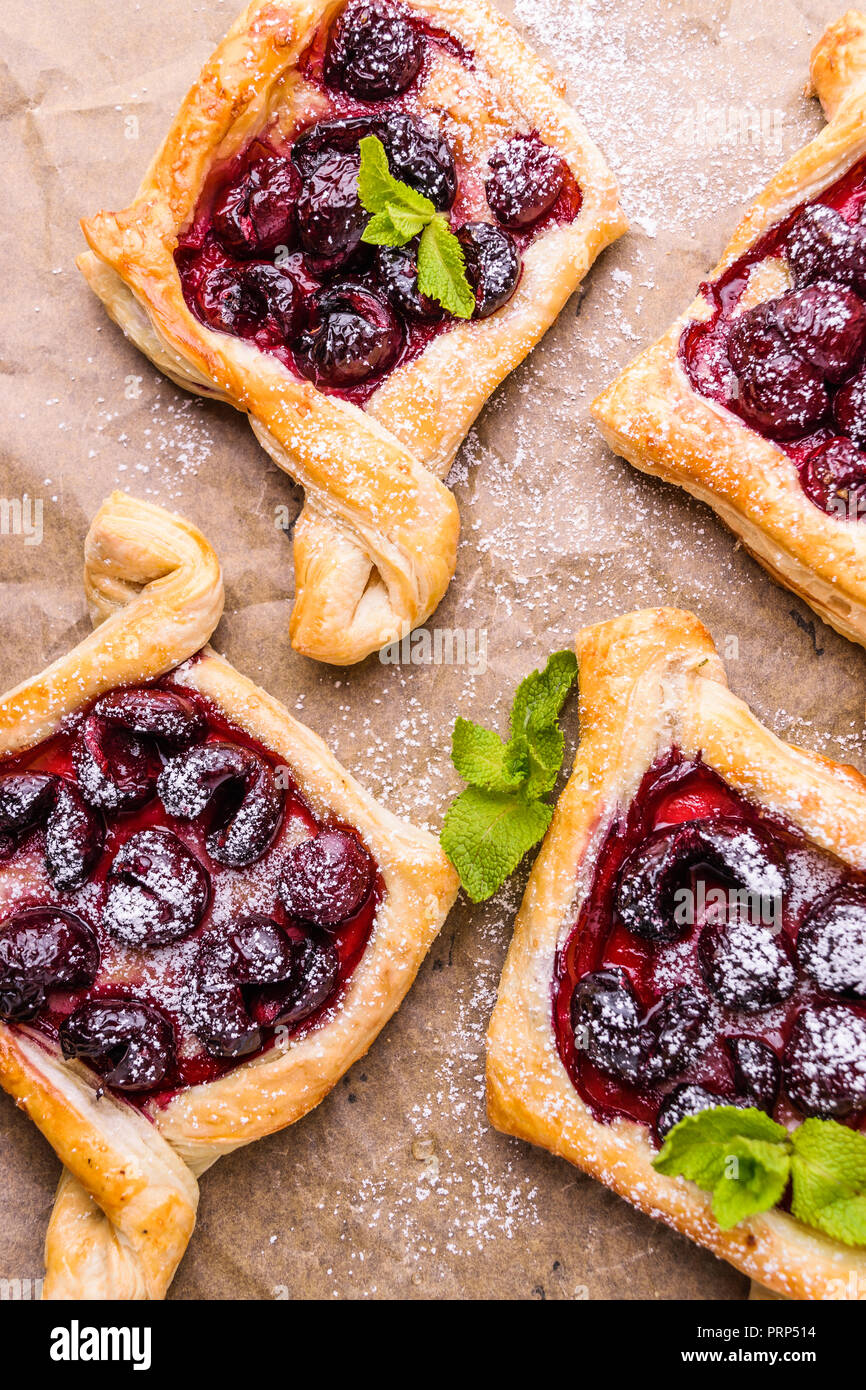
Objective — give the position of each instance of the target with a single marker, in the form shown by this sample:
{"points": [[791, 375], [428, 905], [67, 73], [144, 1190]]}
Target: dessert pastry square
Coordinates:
{"points": [[240, 271], [204, 919], [693, 934], [755, 400]]}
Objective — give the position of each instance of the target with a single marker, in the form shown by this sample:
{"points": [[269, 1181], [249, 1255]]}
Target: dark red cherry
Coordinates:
{"points": [[685, 1099], [314, 977], [673, 1035], [230, 302], [525, 180], [116, 769], [326, 878], [373, 51], [782, 396], [831, 946], [25, 800], [256, 214], [605, 1018], [130, 1044], [745, 964], [220, 1018], [351, 336], [43, 948], [754, 336], [256, 950], [823, 246], [157, 890], [74, 836], [650, 876], [324, 138], [849, 408], [834, 478], [331, 217], [250, 803], [283, 297], [492, 265], [757, 1071], [418, 155], [825, 324], [174, 720], [397, 269], [824, 1063]]}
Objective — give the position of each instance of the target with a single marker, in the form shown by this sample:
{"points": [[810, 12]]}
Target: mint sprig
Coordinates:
{"points": [[500, 816], [399, 213], [747, 1160]]}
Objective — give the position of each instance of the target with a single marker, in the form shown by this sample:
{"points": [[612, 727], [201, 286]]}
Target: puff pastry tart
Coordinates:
{"points": [[755, 400], [204, 920], [693, 934], [240, 271]]}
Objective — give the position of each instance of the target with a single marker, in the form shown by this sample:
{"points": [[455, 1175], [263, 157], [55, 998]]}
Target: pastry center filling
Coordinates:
{"points": [[718, 959], [169, 903], [784, 344], [274, 254]]}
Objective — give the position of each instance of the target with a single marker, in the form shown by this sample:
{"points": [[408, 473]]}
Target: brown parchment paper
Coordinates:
{"points": [[396, 1186]]}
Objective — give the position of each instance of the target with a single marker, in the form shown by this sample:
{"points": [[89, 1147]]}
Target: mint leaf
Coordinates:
{"points": [[442, 269], [546, 749], [486, 834], [382, 230], [828, 1169], [378, 189], [541, 695], [741, 1156], [481, 758]]}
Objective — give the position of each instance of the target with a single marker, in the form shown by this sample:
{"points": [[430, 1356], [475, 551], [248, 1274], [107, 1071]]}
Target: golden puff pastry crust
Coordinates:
{"points": [[126, 1204], [375, 545], [653, 417], [649, 681]]}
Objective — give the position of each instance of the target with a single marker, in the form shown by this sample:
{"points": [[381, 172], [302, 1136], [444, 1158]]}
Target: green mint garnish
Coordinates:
{"points": [[500, 816], [746, 1160], [397, 214]]}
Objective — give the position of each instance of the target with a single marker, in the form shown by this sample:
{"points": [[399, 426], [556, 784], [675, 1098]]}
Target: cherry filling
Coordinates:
{"points": [[274, 254], [168, 902], [792, 367], [719, 958]]}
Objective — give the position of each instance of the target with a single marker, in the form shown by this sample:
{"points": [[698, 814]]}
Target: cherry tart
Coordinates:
{"points": [[755, 400], [693, 934], [241, 272], [204, 920]]}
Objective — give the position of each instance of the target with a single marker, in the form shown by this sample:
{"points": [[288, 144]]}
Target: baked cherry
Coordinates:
{"points": [[782, 395], [256, 950], [645, 896], [525, 180], [43, 948], [754, 336], [757, 1071], [230, 301], [220, 1018], [824, 1063], [25, 800], [373, 52], [256, 214], [831, 945], [492, 265], [685, 1099], [823, 246], [130, 1044], [157, 890], [326, 878], [849, 408], [397, 268], [340, 136], [251, 802], [283, 296], [351, 336], [74, 836], [314, 977], [834, 478], [745, 964], [825, 324], [418, 155], [173, 719], [331, 216], [116, 769], [608, 1029]]}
